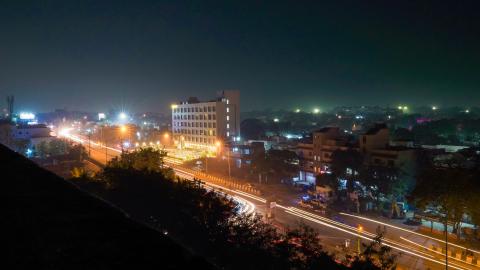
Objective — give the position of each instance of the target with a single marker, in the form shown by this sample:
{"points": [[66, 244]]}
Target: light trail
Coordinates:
{"points": [[409, 231], [348, 227], [369, 239], [249, 207]]}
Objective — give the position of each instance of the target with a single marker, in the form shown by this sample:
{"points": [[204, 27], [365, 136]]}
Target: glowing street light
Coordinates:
{"points": [[122, 116], [434, 108], [174, 106], [123, 129], [166, 135], [297, 110], [316, 110], [276, 120]]}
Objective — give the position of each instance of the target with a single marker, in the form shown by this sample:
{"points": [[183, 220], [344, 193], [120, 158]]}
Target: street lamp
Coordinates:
{"points": [[123, 130], [122, 116], [360, 230]]}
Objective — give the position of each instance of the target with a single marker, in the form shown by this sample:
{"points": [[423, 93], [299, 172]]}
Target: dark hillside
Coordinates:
{"points": [[51, 224]]}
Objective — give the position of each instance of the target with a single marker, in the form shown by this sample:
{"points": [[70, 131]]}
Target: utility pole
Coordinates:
{"points": [[446, 241], [228, 161], [89, 139], [105, 142]]}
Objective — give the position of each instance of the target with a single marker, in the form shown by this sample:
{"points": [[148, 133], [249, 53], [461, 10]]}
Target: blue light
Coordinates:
{"points": [[29, 152]]}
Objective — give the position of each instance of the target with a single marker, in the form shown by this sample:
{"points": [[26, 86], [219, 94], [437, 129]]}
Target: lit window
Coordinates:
{"points": [[227, 101], [228, 125], [228, 109], [228, 134], [228, 118]]}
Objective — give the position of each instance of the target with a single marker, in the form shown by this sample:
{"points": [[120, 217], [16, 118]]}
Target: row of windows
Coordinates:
{"points": [[195, 124], [195, 109], [325, 155], [200, 140], [202, 132], [195, 117]]}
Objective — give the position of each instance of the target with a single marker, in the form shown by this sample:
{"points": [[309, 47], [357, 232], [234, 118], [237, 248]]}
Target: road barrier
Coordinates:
{"points": [[219, 181], [456, 255]]}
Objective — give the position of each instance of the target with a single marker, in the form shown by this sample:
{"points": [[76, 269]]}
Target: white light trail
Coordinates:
{"points": [[409, 231], [366, 238]]}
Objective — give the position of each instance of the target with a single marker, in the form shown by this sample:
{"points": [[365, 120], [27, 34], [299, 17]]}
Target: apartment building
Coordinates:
{"points": [[374, 144], [207, 124], [326, 141]]}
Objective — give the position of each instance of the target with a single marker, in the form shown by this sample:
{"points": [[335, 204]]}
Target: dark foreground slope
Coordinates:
{"points": [[50, 224]]}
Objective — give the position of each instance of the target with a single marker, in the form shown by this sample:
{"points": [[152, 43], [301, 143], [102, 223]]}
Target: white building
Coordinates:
{"points": [[28, 132], [207, 125]]}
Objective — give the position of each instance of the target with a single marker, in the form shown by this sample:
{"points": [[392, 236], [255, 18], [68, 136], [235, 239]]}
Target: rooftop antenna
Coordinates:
{"points": [[10, 101]]}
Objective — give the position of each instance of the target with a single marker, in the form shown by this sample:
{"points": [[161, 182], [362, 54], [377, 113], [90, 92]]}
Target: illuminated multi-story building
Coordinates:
{"points": [[209, 124]]}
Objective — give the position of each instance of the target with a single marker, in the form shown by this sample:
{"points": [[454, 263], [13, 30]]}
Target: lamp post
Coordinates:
{"points": [[89, 139], [446, 240], [123, 130], [105, 145], [360, 230]]}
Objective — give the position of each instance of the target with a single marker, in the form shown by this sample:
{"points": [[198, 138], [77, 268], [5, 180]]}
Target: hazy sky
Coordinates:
{"points": [[142, 55]]}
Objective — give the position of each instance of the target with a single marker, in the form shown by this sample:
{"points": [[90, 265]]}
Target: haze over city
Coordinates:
{"points": [[88, 55]]}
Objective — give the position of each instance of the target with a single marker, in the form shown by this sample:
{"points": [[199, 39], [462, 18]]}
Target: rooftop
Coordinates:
{"points": [[374, 130]]}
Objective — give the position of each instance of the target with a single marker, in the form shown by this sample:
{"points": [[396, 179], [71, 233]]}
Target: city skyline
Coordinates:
{"points": [[143, 56]]}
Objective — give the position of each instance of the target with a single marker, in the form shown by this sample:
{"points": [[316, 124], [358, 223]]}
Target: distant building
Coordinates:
{"points": [[243, 154], [28, 132], [305, 155], [374, 144], [205, 125], [326, 141]]}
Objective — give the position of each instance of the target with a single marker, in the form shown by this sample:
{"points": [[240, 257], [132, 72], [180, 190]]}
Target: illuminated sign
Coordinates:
{"points": [[27, 116]]}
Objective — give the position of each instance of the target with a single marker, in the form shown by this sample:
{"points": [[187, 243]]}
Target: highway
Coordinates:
{"points": [[413, 247]]}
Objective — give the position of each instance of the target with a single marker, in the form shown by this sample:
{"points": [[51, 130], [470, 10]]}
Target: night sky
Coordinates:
{"points": [[143, 55]]}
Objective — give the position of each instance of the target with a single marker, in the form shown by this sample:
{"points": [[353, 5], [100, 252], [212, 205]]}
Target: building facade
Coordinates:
{"points": [[374, 144], [326, 141], [207, 125]]}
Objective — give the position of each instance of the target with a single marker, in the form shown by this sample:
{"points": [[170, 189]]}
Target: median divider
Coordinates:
{"points": [[219, 181]]}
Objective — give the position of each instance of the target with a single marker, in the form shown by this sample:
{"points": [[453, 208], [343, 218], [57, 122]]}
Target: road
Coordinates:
{"points": [[413, 247]]}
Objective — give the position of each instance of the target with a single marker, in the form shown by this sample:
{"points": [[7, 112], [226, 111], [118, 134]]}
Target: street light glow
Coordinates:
{"points": [[316, 110], [123, 129], [122, 116]]}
